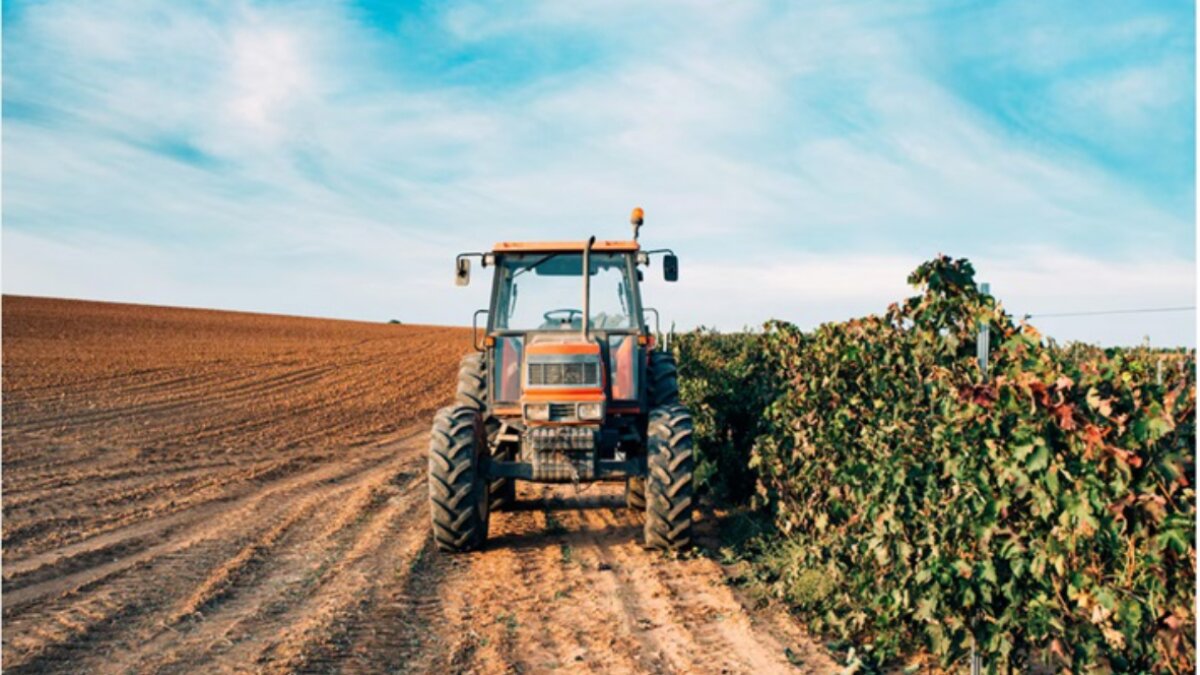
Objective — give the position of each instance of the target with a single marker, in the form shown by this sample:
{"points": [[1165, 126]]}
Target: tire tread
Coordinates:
{"points": [[454, 491], [669, 480]]}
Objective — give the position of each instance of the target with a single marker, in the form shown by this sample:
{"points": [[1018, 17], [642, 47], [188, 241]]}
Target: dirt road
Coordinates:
{"points": [[195, 491]]}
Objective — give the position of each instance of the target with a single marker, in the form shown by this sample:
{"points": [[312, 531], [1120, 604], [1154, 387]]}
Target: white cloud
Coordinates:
{"points": [[267, 74], [1134, 97]]}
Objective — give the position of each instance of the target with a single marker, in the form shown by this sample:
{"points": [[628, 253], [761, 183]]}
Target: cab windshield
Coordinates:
{"points": [[544, 291]]}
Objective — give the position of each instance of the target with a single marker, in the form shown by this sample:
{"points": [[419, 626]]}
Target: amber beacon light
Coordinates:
{"points": [[636, 219]]}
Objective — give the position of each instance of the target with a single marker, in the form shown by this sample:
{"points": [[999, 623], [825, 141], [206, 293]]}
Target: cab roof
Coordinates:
{"points": [[609, 245]]}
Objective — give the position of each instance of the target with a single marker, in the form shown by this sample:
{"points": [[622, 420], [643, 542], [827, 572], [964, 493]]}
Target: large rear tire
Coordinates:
{"points": [[669, 485], [663, 380], [458, 491], [472, 382]]}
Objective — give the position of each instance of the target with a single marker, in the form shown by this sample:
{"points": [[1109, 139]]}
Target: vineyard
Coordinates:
{"points": [[905, 500]]}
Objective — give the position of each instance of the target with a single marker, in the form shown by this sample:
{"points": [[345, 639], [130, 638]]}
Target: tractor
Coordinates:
{"points": [[567, 384]]}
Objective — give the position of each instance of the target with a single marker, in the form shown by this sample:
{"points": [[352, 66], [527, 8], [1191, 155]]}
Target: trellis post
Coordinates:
{"points": [[981, 352], [982, 346]]}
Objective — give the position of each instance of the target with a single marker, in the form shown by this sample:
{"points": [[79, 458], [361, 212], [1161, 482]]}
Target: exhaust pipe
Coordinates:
{"points": [[587, 286]]}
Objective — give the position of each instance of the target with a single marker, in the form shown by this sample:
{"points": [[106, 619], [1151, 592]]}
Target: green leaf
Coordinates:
{"points": [[963, 568], [1039, 460], [987, 572], [925, 609]]}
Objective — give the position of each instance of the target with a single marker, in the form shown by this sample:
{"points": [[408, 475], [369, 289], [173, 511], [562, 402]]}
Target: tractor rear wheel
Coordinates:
{"points": [[472, 393], [635, 493], [669, 486], [663, 379], [472, 382], [458, 491]]}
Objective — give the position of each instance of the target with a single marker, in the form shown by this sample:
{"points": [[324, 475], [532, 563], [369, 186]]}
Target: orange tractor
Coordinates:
{"points": [[560, 392]]}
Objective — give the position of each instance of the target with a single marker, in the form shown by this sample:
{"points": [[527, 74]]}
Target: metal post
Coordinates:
{"points": [[981, 352], [982, 345], [587, 285], [1158, 378]]}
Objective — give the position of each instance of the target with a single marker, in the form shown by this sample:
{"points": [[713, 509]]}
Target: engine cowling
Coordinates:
{"points": [[563, 381]]}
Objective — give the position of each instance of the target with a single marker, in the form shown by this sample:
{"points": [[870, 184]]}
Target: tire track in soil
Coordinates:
{"points": [[564, 584], [322, 626], [168, 522], [682, 642], [613, 643], [690, 596], [169, 526], [93, 488], [57, 528], [275, 591], [56, 620], [214, 480]]}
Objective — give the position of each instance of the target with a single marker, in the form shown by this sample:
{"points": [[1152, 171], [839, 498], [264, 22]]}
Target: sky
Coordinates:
{"points": [[330, 159]]}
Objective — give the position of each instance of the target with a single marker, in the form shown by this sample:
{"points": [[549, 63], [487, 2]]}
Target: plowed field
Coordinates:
{"points": [[197, 491]]}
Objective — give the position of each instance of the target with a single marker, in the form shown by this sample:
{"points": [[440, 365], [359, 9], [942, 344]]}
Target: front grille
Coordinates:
{"points": [[560, 412], [585, 374]]}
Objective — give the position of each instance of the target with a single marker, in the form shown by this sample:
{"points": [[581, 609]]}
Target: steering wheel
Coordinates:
{"points": [[570, 314]]}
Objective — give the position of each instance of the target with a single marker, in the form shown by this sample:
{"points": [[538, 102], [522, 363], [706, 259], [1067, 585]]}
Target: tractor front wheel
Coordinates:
{"points": [[458, 490], [669, 486]]}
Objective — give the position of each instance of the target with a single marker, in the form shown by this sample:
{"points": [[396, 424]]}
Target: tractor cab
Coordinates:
{"points": [[551, 345], [566, 383]]}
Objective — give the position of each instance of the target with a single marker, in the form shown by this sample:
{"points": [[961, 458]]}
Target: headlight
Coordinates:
{"points": [[537, 411], [590, 411]]}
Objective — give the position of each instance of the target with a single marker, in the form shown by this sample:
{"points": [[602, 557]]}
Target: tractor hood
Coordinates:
{"points": [[569, 343], [563, 365], [564, 380]]}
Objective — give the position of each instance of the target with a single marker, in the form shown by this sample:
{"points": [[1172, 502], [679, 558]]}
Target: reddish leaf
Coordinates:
{"points": [[1124, 455], [1064, 415]]}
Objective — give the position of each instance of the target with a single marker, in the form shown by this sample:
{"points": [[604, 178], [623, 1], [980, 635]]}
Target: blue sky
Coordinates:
{"points": [[329, 159]]}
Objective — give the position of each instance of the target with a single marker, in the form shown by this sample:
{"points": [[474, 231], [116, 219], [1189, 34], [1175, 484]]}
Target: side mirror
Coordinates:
{"points": [[670, 267], [462, 272]]}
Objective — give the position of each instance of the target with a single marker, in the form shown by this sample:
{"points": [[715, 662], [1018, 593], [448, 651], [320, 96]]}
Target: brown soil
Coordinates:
{"points": [[198, 491]]}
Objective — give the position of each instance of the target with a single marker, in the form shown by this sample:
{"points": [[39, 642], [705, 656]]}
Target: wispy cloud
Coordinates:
{"points": [[810, 290], [330, 159]]}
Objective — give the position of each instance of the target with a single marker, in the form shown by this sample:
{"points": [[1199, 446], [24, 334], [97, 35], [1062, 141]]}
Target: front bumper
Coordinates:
{"points": [[574, 438]]}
